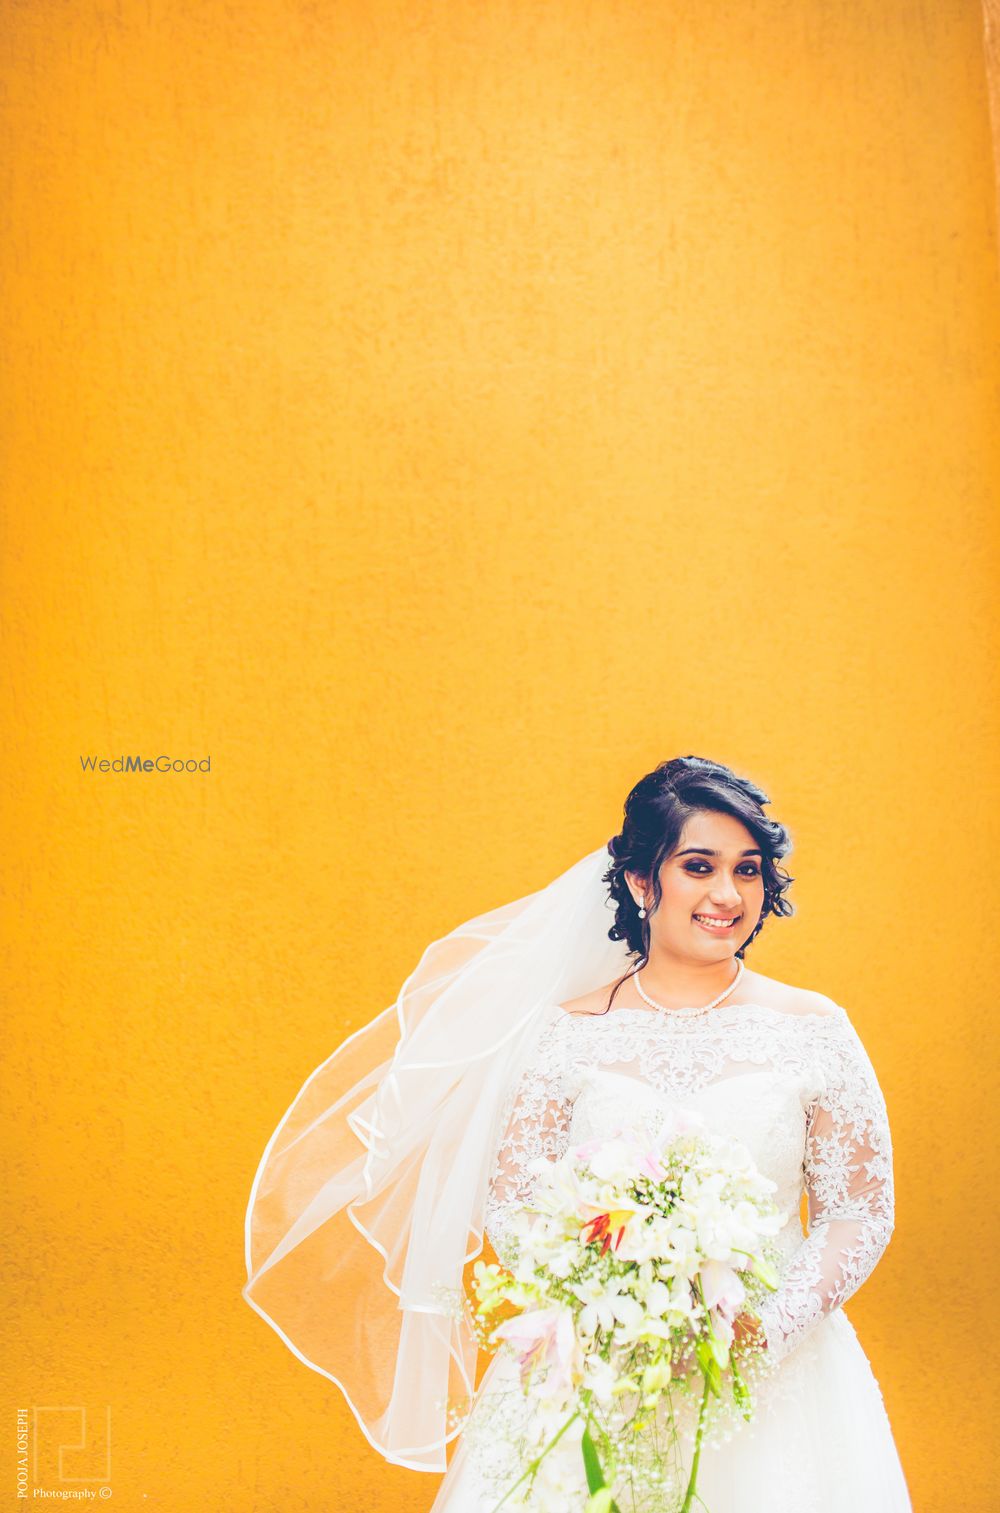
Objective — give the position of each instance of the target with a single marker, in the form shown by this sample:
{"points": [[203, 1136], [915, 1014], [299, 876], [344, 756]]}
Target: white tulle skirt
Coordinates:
{"points": [[819, 1441]]}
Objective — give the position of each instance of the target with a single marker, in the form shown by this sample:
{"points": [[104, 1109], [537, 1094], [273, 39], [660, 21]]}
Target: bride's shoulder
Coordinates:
{"points": [[787, 997], [589, 1003]]}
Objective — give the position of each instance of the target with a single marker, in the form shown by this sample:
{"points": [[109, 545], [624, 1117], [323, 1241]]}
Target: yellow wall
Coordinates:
{"points": [[438, 412]]}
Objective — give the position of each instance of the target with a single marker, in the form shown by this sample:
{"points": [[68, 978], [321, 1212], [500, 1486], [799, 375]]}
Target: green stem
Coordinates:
{"points": [[532, 1469], [689, 1494], [586, 1398]]}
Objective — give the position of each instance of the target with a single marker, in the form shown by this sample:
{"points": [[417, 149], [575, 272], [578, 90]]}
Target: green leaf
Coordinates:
{"points": [[720, 1350], [600, 1502], [709, 1366], [607, 1450], [592, 1462], [741, 1393]]}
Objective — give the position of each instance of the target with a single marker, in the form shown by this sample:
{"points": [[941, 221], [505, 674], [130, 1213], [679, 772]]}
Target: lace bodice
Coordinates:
{"points": [[798, 1089]]}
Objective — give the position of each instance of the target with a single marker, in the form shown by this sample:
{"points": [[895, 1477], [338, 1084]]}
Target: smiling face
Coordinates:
{"points": [[712, 890]]}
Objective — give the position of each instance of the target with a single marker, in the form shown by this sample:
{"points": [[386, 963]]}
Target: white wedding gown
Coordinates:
{"points": [[800, 1092]]}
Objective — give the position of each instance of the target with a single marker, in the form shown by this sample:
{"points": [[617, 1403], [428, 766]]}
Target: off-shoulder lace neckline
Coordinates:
{"points": [[686, 1016]]}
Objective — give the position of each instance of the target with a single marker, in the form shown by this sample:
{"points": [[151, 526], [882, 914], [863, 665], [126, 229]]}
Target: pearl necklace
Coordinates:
{"points": [[704, 1009]]}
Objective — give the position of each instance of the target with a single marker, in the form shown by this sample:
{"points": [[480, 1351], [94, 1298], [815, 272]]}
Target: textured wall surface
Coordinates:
{"points": [[437, 412]]}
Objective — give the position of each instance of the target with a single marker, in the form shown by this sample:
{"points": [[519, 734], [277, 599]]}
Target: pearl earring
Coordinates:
{"points": [[642, 911]]}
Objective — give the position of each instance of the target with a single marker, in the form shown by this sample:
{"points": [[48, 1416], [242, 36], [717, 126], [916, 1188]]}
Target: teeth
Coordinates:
{"points": [[715, 924]]}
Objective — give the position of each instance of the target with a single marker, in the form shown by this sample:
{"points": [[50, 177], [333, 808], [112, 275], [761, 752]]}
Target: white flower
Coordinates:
{"points": [[603, 1302], [721, 1288], [616, 1160], [657, 1300], [678, 1251], [601, 1377], [563, 1258], [627, 1310]]}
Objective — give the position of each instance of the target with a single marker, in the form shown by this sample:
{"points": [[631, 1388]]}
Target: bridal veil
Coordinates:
{"points": [[368, 1200]]}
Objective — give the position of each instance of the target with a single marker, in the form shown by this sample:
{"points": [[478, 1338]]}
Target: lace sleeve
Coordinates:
{"points": [[537, 1125], [848, 1176]]}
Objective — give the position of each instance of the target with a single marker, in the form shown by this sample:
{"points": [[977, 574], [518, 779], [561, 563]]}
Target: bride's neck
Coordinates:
{"points": [[680, 983]]}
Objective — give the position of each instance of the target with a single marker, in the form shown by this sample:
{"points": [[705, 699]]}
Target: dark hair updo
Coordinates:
{"points": [[655, 814]]}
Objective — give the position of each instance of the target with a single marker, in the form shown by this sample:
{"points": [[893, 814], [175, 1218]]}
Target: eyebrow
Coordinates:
{"points": [[704, 851]]}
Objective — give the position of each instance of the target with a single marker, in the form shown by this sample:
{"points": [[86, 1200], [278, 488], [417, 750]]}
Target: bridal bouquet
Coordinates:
{"points": [[629, 1271]]}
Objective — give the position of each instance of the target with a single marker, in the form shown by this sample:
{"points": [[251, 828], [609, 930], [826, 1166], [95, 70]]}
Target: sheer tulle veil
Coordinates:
{"points": [[368, 1200]]}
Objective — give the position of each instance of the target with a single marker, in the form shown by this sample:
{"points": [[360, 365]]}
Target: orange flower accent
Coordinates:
{"points": [[601, 1227]]}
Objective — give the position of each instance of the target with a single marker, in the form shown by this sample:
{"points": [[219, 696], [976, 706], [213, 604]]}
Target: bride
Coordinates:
{"points": [[526, 1030]]}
